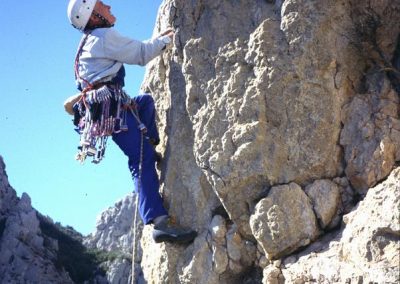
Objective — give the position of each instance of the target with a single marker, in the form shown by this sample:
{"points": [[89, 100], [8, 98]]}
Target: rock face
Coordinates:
{"points": [[114, 225], [366, 250], [325, 198], [255, 95], [283, 113], [26, 254]]}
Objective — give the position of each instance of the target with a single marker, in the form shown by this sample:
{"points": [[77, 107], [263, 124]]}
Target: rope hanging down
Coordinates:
{"points": [[135, 219], [133, 276]]}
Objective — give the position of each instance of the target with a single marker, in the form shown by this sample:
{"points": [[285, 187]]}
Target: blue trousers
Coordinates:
{"points": [[150, 201]]}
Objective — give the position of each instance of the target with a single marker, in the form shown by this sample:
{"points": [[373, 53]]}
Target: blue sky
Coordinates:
{"points": [[38, 143]]}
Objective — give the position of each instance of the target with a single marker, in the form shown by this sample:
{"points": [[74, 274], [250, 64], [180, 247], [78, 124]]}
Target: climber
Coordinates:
{"points": [[103, 109]]}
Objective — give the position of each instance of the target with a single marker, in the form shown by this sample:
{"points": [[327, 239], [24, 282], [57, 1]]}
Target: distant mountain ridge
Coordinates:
{"points": [[34, 249]]}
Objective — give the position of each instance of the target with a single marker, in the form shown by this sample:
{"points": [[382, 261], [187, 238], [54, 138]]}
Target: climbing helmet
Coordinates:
{"points": [[79, 12]]}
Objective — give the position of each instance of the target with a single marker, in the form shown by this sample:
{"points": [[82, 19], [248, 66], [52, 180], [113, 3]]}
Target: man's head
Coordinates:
{"points": [[89, 14]]}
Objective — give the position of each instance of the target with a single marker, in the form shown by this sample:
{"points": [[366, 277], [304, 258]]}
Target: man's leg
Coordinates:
{"points": [[147, 114], [150, 201]]}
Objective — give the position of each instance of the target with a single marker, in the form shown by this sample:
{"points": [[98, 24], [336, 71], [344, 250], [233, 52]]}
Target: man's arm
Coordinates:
{"points": [[130, 51]]}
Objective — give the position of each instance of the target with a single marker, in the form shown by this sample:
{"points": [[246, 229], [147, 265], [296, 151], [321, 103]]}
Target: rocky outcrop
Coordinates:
{"points": [[371, 133], [283, 113], [249, 97], [34, 249], [114, 234], [113, 226], [325, 198], [26, 254], [366, 250], [284, 221]]}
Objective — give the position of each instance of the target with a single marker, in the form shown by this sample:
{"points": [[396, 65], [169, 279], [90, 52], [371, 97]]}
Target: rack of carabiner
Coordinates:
{"points": [[103, 112]]}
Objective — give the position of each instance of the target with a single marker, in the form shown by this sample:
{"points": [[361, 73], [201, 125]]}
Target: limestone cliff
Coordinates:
{"points": [[284, 114]]}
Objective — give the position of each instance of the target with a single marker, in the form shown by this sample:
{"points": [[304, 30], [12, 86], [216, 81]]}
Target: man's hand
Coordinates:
{"points": [[169, 32]]}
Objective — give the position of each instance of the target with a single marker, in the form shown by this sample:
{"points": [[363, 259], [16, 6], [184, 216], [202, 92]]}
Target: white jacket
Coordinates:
{"points": [[105, 51]]}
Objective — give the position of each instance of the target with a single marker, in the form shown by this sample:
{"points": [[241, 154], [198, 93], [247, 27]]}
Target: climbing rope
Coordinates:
{"points": [[76, 65], [135, 219], [133, 276]]}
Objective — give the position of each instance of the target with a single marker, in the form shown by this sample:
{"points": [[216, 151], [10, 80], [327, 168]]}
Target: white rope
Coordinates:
{"points": [[134, 240], [135, 222]]}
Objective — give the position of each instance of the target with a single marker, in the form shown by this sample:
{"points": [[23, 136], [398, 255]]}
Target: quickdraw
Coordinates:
{"points": [[100, 113]]}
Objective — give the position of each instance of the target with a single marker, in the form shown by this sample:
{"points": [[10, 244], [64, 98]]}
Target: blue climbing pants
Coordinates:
{"points": [[150, 201]]}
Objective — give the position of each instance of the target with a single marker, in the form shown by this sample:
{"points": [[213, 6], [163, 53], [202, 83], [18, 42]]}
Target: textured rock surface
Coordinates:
{"points": [[366, 250], [113, 226], [259, 94], [25, 256], [284, 221], [249, 101], [218, 255], [371, 133], [325, 199]]}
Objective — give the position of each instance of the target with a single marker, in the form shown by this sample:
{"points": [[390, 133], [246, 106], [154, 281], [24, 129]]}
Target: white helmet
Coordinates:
{"points": [[79, 12]]}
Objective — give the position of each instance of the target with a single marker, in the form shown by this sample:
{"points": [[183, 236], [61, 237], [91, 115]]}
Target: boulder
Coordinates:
{"points": [[365, 250], [371, 133], [284, 221], [325, 199]]}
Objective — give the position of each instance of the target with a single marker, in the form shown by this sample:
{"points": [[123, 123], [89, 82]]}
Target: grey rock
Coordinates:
{"points": [[325, 198], [369, 138], [272, 275], [218, 230], [366, 248], [284, 221], [234, 244], [251, 96], [114, 226], [114, 234], [220, 259], [24, 258]]}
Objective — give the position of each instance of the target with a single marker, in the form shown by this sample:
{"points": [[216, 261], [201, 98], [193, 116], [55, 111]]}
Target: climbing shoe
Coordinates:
{"points": [[158, 157], [154, 141], [168, 231]]}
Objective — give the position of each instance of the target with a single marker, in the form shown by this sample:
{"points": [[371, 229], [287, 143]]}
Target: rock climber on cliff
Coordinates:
{"points": [[103, 109]]}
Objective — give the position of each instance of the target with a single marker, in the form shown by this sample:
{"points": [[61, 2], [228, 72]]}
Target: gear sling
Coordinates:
{"points": [[103, 110]]}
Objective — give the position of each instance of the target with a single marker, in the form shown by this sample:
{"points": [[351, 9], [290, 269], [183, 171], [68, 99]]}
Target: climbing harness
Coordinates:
{"points": [[100, 111]]}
